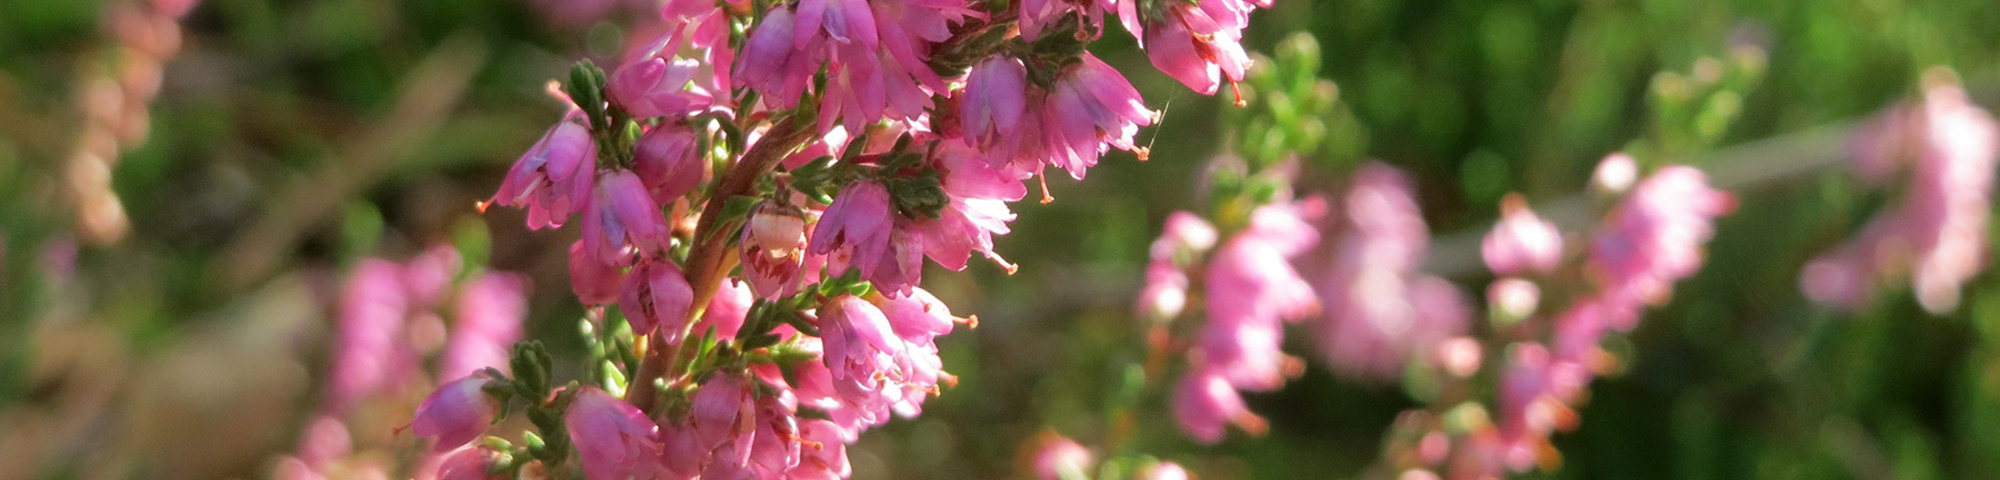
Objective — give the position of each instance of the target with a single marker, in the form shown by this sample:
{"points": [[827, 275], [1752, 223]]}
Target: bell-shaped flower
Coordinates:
{"points": [[1091, 108], [654, 83], [668, 162], [656, 295], [859, 222], [553, 180], [613, 439], [774, 245], [622, 219], [863, 354]]}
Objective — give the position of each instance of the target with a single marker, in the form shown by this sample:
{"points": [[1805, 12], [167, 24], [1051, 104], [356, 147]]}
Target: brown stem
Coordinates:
{"points": [[705, 257]]}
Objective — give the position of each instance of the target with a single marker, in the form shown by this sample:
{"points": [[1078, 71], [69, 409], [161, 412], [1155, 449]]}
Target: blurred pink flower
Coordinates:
{"points": [[490, 310], [368, 355], [825, 457], [1654, 237], [1521, 243], [774, 244], [1381, 312], [1058, 458], [1204, 405], [1937, 231]]}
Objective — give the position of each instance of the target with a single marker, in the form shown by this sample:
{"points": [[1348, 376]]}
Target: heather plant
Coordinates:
{"points": [[610, 239]]}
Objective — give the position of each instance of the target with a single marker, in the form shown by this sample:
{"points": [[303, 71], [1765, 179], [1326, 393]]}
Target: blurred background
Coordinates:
{"points": [[182, 330]]}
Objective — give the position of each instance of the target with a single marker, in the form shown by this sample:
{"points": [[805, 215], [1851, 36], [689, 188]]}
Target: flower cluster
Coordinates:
{"points": [[827, 148], [114, 104], [1380, 311], [1651, 239], [390, 320], [1944, 148]]}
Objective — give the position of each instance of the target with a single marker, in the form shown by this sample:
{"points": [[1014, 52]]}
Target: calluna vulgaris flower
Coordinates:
{"points": [[1380, 311], [1936, 234]]}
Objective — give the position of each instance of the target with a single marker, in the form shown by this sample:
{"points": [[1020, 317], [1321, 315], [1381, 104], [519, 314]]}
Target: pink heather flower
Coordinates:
{"points": [[668, 162], [1037, 15], [1521, 242], [456, 413], [652, 84], [1380, 310], [621, 217], [842, 21], [859, 222], [657, 295], [1090, 108], [1252, 289], [428, 276], [863, 354], [1205, 404], [993, 102], [1184, 238], [722, 419], [774, 244], [824, 457], [967, 175], [709, 29], [613, 439], [594, 281], [490, 310], [1198, 43], [726, 312], [1938, 229], [909, 27], [367, 353], [863, 87], [771, 64], [470, 463], [1654, 237], [553, 180]]}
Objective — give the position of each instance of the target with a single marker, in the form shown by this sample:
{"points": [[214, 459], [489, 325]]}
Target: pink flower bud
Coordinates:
{"points": [[1615, 174], [668, 162], [863, 354], [553, 180], [774, 243], [456, 413], [1058, 458], [657, 296], [1521, 242], [613, 439], [825, 457], [594, 281]]}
